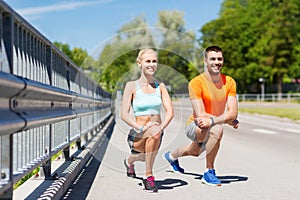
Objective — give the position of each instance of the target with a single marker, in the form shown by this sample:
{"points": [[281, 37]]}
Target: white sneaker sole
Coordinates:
{"points": [[210, 184]]}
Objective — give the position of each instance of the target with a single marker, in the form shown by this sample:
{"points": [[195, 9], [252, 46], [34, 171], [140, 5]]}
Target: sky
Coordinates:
{"points": [[87, 23]]}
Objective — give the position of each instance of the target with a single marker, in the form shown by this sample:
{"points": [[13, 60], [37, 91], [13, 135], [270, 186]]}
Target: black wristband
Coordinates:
{"points": [[212, 121]]}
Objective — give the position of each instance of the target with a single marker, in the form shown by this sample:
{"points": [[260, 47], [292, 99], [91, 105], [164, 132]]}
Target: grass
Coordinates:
{"points": [[284, 112]]}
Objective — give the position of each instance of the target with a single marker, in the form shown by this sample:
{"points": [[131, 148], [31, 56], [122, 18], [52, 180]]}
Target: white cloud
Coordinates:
{"points": [[58, 7]]}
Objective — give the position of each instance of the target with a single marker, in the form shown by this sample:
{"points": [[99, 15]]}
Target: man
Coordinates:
{"points": [[213, 99]]}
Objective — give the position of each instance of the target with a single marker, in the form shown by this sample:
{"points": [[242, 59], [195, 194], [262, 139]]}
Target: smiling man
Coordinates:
{"points": [[213, 98]]}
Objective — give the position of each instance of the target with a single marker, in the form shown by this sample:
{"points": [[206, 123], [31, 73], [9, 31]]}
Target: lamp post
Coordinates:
{"points": [[262, 86]]}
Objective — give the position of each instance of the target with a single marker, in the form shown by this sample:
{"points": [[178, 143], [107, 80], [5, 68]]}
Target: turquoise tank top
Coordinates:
{"points": [[146, 104]]}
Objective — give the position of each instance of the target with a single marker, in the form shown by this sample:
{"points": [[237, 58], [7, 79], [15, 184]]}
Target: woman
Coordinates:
{"points": [[145, 96]]}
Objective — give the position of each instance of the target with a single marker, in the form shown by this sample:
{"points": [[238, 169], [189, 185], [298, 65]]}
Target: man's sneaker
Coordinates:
{"points": [[210, 178], [173, 163], [129, 170], [149, 184]]}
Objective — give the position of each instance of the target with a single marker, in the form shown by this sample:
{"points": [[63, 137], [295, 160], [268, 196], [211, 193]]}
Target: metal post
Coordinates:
{"points": [[262, 85], [66, 152]]}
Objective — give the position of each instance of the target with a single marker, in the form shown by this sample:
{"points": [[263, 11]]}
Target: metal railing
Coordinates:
{"points": [[46, 102], [270, 97], [267, 97]]}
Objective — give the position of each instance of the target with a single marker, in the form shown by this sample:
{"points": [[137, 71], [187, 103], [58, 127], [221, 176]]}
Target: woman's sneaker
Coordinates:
{"points": [[129, 170], [149, 184], [210, 178], [173, 163]]}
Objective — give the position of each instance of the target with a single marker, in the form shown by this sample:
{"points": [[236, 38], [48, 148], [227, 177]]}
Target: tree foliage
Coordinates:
{"points": [[176, 48], [77, 55], [260, 38]]}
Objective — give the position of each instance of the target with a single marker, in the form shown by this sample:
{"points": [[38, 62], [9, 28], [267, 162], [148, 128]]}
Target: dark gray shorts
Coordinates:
{"points": [[131, 137], [190, 131]]}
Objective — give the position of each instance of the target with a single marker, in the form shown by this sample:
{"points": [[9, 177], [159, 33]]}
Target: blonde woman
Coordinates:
{"points": [[145, 97]]}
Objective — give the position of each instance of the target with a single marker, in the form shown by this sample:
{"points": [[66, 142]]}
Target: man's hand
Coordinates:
{"points": [[235, 123], [203, 122]]}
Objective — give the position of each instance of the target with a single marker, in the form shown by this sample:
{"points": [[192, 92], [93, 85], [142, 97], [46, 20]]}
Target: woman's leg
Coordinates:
{"points": [[151, 148], [136, 157]]}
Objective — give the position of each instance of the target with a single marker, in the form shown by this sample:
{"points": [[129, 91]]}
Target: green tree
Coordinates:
{"points": [[117, 61], [260, 39], [77, 55], [177, 50]]}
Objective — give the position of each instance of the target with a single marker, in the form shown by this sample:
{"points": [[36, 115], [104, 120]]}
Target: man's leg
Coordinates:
{"points": [[213, 145], [212, 148], [192, 149], [195, 148]]}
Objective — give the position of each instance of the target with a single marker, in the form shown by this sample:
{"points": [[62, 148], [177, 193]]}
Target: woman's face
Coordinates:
{"points": [[148, 63]]}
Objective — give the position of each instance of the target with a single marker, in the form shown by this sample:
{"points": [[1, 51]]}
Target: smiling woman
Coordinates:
{"points": [[145, 97]]}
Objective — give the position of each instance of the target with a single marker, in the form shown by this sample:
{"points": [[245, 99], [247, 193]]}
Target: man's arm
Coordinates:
{"points": [[198, 108], [231, 115], [202, 118]]}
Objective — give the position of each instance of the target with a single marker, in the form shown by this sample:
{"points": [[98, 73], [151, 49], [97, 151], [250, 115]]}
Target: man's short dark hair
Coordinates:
{"points": [[213, 48]]}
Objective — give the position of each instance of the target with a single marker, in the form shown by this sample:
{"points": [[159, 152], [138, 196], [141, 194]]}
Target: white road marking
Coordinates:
{"points": [[291, 130], [265, 131]]}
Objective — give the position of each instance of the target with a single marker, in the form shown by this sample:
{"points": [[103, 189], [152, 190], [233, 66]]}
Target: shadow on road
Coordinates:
{"points": [[82, 184], [167, 184], [224, 179]]}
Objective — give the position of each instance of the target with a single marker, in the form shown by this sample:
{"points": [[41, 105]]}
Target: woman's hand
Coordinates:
{"points": [[150, 124], [152, 129]]}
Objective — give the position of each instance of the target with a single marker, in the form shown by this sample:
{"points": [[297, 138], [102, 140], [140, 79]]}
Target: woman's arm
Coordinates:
{"points": [[167, 104], [126, 105]]}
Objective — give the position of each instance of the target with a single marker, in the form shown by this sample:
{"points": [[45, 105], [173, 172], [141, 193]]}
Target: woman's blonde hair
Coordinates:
{"points": [[142, 52]]}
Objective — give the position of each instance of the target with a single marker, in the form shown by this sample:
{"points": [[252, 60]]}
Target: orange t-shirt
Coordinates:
{"points": [[214, 98]]}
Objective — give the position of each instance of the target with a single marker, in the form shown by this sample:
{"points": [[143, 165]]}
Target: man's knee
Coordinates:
{"points": [[217, 132], [194, 149], [194, 153]]}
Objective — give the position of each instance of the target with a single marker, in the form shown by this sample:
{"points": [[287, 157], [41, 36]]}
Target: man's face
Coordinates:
{"points": [[214, 61]]}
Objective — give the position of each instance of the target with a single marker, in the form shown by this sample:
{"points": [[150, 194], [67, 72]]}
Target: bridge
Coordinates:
{"points": [[60, 125]]}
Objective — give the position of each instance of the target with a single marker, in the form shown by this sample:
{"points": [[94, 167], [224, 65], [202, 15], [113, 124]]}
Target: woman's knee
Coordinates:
{"points": [[154, 133], [155, 137]]}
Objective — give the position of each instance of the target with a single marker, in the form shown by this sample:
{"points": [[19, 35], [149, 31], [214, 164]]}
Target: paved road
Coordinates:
{"points": [[260, 160]]}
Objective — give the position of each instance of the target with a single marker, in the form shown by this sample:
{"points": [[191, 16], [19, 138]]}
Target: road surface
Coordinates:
{"points": [[260, 160]]}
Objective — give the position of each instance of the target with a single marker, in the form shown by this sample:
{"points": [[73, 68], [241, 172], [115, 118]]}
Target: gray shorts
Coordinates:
{"points": [[190, 131], [132, 135]]}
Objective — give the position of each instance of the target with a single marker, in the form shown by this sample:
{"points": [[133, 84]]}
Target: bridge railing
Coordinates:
{"points": [[47, 102]]}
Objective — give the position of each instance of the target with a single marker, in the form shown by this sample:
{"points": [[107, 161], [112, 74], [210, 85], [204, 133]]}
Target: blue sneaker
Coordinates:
{"points": [[173, 163], [210, 178]]}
